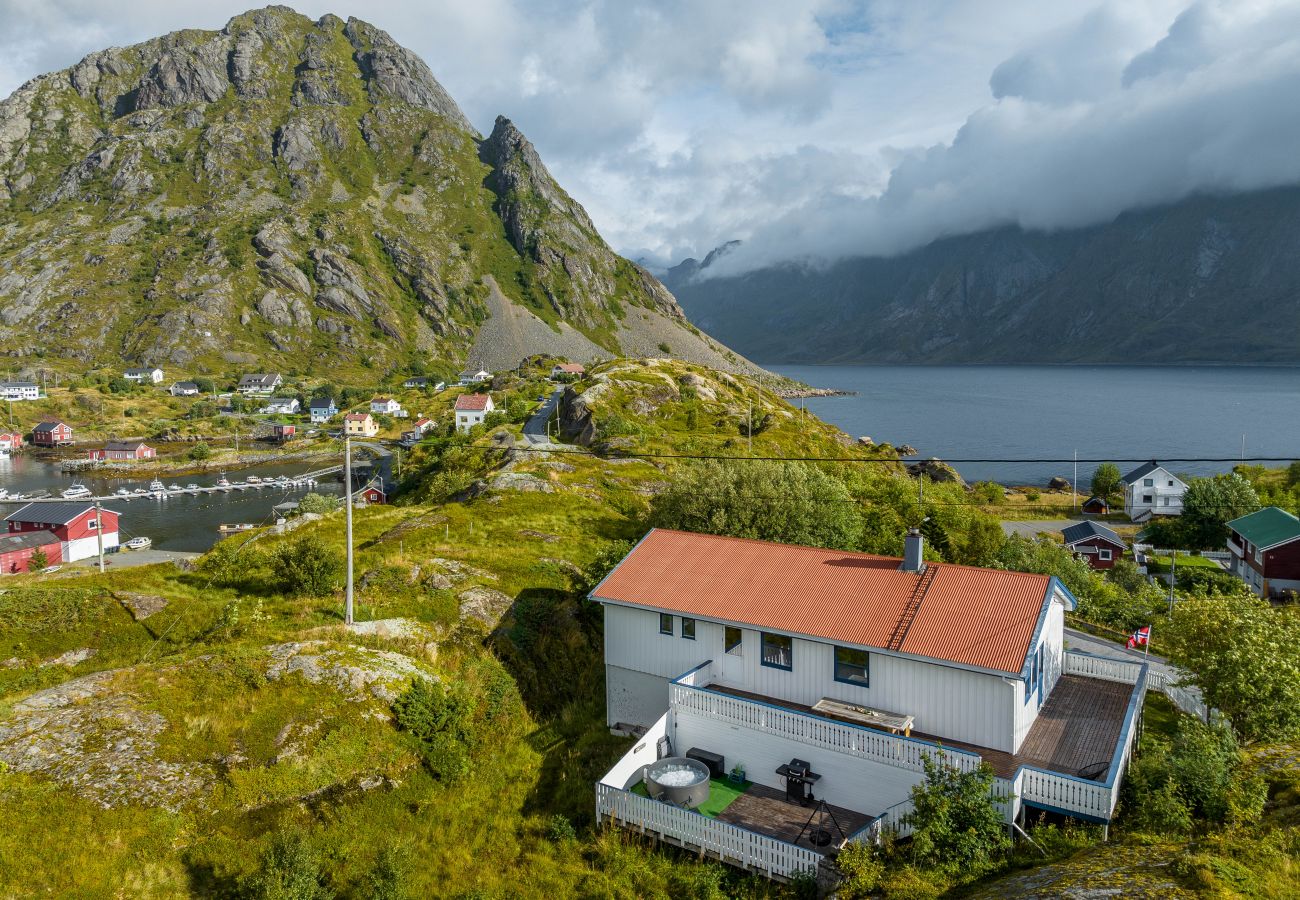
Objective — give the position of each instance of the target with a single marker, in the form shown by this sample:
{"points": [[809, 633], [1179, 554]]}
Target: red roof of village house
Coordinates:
{"points": [[572, 368], [356, 417], [472, 402], [977, 617]]}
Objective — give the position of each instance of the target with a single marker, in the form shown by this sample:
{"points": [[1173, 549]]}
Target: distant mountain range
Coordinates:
{"points": [[303, 196], [1205, 280]]}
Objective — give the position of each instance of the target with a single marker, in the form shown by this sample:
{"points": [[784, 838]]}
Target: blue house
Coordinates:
{"points": [[323, 409]]}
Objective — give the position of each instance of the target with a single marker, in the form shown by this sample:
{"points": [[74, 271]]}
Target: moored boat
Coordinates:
{"points": [[77, 491], [235, 527]]}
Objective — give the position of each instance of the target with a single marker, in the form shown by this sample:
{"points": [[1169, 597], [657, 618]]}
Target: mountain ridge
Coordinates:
{"points": [[296, 194], [1142, 289]]}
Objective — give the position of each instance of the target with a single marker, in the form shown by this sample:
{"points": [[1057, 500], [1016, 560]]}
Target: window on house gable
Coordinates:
{"points": [[665, 623], [1146, 498], [1103, 554], [688, 628], [853, 666], [1148, 482], [778, 651], [732, 638]]}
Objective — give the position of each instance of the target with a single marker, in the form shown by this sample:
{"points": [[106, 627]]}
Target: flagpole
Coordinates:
{"points": [[1146, 648]]}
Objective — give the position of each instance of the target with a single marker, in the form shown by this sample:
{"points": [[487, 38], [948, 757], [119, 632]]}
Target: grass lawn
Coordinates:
{"points": [[1161, 564], [721, 794]]}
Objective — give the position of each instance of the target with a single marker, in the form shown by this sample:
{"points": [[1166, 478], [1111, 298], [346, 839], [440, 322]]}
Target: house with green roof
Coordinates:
{"points": [[1265, 547]]}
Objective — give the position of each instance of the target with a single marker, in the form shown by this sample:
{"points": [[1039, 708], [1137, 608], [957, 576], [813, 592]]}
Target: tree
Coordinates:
{"points": [[1105, 480], [318, 503], [439, 721], [307, 566], [1209, 503], [792, 502], [38, 560], [204, 385], [199, 452], [1245, 657], [956, 825]]}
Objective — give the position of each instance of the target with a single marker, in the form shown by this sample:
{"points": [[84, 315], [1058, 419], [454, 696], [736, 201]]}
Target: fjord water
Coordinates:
{"points": [[1126, 414]]}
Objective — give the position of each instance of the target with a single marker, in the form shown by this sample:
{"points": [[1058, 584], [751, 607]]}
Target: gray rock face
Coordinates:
{"points": [[392, 71], [284, 312], [186, 74]]}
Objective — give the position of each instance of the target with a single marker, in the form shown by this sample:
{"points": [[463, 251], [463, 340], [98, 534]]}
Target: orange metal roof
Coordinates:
{"points": [[472, 402], [976, 617]]}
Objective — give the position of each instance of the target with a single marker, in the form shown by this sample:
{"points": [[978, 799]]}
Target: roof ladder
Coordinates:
{"points": [[913, 605]]}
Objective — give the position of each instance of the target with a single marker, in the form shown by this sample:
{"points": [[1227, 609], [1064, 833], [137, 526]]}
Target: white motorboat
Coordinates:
{"points": [[139, 492], [77, 491], [175, 488], [138, 543], [122, 492], [253, 479], [157, 486], [224, 483], [191, 486]]}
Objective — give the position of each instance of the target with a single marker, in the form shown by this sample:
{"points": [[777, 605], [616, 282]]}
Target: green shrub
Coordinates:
{"points": [[290, 870], [987, 492], [956, 825], [438, 721], [307, 567], [199, 452], [318, 503], [863, 869], [559, 830]]}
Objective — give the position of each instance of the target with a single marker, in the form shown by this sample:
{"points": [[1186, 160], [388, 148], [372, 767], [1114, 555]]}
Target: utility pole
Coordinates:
{"points": [[1074, 485], [347, 484], [1173, 577], [751, 427], [99, 537]]}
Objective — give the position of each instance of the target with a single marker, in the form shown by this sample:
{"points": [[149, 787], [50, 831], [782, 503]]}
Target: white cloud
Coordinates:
{"points": [[823, 127]]}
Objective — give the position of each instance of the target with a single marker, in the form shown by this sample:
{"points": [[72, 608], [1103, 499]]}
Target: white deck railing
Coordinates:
{"points": [[1103, 668], [814, 730], [629, 769], [692, 831]]}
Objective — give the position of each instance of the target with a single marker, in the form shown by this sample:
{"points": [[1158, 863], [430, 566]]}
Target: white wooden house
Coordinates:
{"points": [[1152, 490], [145, 375], [19, 390], [471, 410], [861, 665]]}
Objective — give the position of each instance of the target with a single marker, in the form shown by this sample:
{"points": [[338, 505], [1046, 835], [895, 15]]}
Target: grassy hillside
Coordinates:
{"points": [[240, 731]]}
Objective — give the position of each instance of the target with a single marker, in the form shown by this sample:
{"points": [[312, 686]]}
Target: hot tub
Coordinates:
{"points": [[678, 780]]}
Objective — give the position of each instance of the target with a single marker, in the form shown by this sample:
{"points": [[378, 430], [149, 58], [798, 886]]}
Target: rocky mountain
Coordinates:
{"points": [[297, 195], [1205, 280]]}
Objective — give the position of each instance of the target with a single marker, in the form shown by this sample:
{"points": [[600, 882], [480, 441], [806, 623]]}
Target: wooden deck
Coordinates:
{"points": [[765, 810], [1077, 728]]}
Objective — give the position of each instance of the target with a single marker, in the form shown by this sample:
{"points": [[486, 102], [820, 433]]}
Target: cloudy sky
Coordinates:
{"points": [[823, 127]]}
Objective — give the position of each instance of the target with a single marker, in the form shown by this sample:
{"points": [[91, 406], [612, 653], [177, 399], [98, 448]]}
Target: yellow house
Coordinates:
{"points": [[360, 425]]}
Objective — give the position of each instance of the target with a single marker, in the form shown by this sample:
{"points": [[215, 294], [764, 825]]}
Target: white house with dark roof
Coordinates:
{"points": [[184, 389], [146, 375], [20, 390], [260, 383], [836, 673], [1152, 490], [282, 406]]}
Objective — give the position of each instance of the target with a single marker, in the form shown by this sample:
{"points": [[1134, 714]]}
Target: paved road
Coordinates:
{"points": [[1039, 526], [125, 559], [535, 428]]}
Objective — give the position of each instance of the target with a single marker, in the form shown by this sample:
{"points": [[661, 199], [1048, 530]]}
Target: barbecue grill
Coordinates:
{"points": [[799, 779]]}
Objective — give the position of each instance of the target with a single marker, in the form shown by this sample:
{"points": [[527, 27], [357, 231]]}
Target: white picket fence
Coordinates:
{"points": [[692, 831], [865, 743]]}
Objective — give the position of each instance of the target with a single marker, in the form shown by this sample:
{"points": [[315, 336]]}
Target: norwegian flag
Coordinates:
{"points": [[1140, 637]]}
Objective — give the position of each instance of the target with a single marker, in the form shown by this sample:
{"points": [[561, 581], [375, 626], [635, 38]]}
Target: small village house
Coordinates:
{"points": [[52, 433], [184, 389], [360, 425], [146, 375], [568, 370], [282, 433], [371, 495], [1095, 506], [471, 410], [260, 383], [11, 440], [421, 426], [282, 406], [474, 376], [72, 523], [16, 551], [118, 451], [322, 409], [385, 406], [1152, 490], [423, 381], [829, 677], [1265, 548], [20, 390], [1094, 543]]}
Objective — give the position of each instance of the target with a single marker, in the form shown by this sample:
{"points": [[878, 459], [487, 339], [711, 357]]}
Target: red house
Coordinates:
{"points": [[1095, 543], [72, 525], [120, 450], [16, 551], [1265, 547], [52, 434], [11, 440], [283, 433], [371, 494]]}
